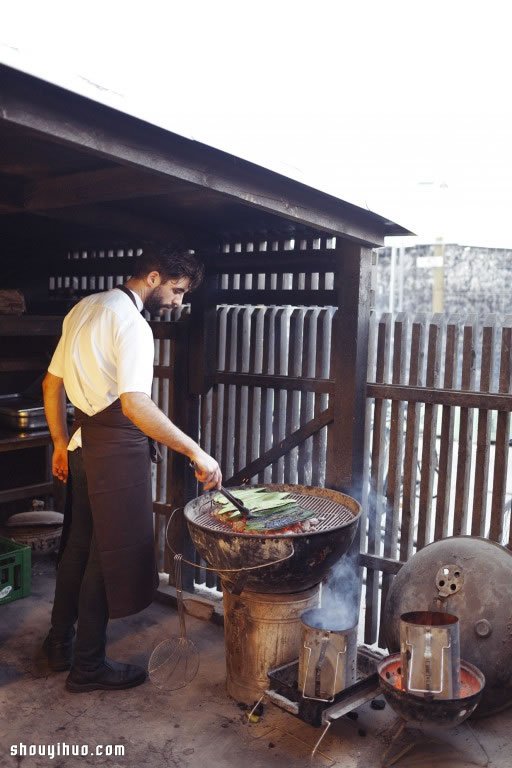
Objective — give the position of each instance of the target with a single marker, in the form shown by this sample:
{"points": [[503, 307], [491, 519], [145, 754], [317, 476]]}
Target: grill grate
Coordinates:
{"points": [[330, 515]]}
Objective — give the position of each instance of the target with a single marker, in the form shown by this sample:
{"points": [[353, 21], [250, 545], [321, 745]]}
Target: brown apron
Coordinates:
{"points": [[118, 469]]}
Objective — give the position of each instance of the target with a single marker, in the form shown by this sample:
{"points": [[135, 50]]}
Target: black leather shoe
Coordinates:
{"points": [[58, 654], [112, 676]]}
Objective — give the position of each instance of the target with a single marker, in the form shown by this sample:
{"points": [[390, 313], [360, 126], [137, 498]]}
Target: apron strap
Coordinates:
{"points": [[126, 290], [154, 451]]}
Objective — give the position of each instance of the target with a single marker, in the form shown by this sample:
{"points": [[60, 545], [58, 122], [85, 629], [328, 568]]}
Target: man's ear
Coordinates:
{"points": [[153, 279]]}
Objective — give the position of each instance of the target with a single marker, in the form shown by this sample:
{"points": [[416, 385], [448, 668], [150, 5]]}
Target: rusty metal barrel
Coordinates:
{"points": [[261, 631]]}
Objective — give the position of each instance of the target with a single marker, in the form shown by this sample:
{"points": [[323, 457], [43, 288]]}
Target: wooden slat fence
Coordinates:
{"points": [[88, 271], [438, 436], [269, 389]]}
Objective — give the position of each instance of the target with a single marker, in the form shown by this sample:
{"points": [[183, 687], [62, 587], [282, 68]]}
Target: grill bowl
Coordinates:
{"points": [[447, 713], [306, 557]]}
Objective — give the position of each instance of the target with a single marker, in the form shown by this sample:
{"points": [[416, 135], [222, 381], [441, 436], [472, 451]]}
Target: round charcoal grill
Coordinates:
{"points": [[280, 561]]}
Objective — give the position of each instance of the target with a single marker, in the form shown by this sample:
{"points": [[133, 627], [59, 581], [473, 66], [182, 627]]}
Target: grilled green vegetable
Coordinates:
{"points": [[270, 510], [258, 501], [281, 520]]}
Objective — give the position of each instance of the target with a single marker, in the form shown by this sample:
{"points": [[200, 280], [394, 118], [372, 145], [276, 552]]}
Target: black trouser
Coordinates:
{"points": [[80, 590]]}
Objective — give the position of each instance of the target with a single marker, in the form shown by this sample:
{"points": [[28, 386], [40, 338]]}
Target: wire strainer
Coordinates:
{"points": [[174, 662]]}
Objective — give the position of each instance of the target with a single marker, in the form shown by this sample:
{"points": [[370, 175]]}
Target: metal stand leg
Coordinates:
{"points": [[313, 752], [253, 710], [399, 729]]}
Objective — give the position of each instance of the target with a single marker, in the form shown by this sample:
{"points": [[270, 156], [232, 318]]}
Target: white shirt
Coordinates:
{"points": [[106, 349]]}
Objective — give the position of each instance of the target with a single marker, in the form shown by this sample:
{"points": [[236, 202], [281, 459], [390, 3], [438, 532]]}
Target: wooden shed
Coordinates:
{"points": [[267, 368]]}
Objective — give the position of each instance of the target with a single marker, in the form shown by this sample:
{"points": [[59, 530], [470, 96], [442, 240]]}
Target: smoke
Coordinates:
{"points": [[341, 592], [339, 608]]}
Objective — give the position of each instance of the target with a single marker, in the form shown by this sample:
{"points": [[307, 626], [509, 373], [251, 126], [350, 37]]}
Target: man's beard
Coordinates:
{"points": [[154, 302]]}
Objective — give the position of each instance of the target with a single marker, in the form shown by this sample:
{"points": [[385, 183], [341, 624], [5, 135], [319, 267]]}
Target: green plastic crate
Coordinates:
{"points": [[15, 570]]}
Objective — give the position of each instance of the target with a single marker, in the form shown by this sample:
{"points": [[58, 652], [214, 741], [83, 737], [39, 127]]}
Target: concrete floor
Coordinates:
{"points": [[197, 726]]}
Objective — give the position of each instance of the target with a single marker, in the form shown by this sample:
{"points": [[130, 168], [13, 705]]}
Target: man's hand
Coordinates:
{"points": [[207, 470], [60, 461]]}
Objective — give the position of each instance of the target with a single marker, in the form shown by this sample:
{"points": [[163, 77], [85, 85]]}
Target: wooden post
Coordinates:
{"points": [[349, 353], [194, 369], [438, 279], [185, 414], [203, 335], [345, 442]]}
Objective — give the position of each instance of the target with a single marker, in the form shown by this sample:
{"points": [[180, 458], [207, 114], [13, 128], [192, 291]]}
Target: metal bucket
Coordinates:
{"points": [[261, 631], [430, 654], [327, 659]]}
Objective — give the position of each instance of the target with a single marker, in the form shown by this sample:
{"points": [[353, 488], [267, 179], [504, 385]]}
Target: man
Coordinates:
{"points": [[104, 363]]}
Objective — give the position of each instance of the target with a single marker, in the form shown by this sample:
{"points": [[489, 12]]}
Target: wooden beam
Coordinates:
{"points": [[26, 492], [282, 448], [117, 221], [44, 241], [294, 298], [274, 382], [75, 121], [281, 262], [79, 189], [384, 564], [491, 401], [11, 194]]}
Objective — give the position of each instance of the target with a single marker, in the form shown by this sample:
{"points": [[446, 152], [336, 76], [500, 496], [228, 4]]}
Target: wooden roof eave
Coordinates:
{"points": [[75, 121]]}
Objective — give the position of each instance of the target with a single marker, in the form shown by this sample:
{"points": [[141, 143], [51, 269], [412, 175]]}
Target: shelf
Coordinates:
{"points": [[26, 492], [17, 364], [30, 325], [12, 441], [51, 325]]}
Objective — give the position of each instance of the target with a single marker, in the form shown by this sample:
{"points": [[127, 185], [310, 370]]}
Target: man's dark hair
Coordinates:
{"points": [[172, 263]]}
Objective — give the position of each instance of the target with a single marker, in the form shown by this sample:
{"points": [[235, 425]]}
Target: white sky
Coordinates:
{"points": [[403, 106]]}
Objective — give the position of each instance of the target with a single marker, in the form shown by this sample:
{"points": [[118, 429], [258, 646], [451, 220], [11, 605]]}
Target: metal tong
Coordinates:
{"points": [[244, 511]]}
